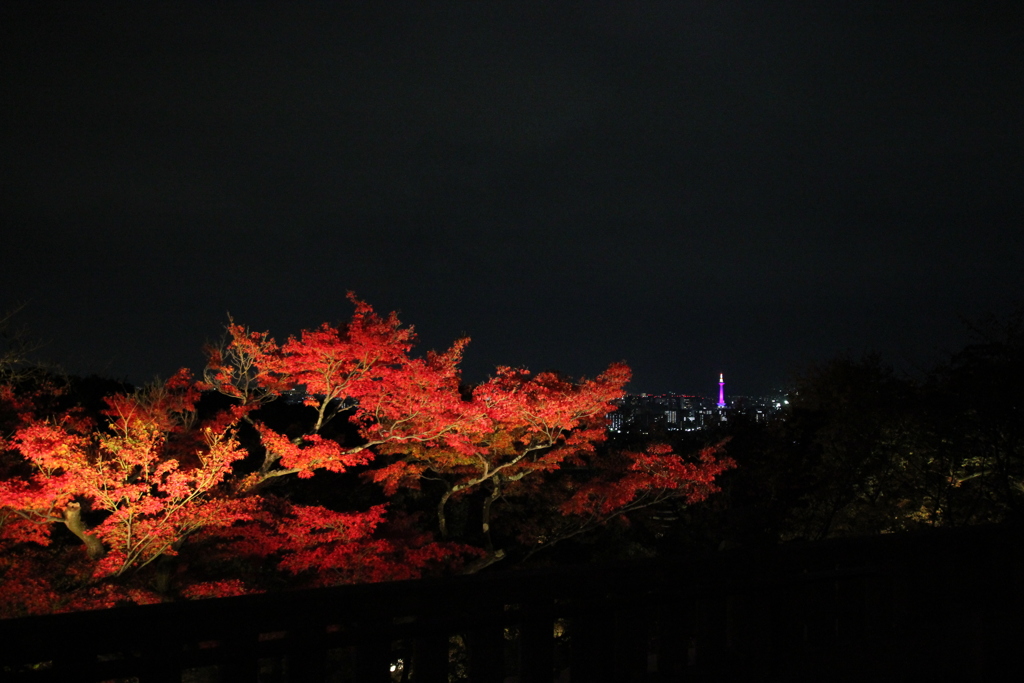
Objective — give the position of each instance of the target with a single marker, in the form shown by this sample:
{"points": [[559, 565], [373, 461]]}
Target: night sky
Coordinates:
{"points": [[691, 187]]}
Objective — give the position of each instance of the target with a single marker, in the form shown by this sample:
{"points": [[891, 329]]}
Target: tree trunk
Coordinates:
{"points": [[73, 521], [486, 522], [442, 523]]}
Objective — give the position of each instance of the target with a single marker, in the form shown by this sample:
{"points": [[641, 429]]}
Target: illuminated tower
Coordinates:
{"points": [[721, 390]]}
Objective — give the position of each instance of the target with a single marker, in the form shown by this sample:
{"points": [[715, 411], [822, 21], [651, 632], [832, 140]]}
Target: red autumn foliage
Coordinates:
{"points": [[656, 471], [153, 475], [160, 497]]}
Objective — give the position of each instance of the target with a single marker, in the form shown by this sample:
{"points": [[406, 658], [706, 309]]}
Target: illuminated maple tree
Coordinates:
{"points": [[166, 499], [149, 478], [363, 369]]}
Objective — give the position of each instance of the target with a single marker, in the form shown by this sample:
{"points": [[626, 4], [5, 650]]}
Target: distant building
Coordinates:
{"points": [[647, 412], [672, 412]]}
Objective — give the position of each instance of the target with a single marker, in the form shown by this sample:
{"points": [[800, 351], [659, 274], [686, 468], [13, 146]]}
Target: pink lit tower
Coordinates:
{"points": [[721, 390]]}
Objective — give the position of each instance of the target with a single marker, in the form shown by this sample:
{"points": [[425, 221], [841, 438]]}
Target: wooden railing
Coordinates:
{"points": [[936, 606]]}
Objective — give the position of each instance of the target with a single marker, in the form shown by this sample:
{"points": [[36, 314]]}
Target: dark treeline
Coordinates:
{"points": [[864, 449]]}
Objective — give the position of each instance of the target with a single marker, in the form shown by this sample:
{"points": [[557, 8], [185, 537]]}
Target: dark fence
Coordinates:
{"points": [[923, 607]]}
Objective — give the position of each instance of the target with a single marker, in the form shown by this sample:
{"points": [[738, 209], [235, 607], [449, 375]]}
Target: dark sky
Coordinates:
{"points": [[692, 187]]}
